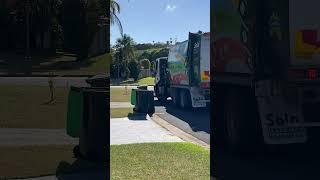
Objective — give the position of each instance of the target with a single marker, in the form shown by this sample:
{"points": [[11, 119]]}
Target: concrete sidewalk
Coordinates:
{"points": [[151, 88], [22, 137], [114, 105], [138, 130]]}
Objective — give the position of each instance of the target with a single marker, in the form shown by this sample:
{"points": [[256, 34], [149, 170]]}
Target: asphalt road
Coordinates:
{"points": [[194, 121]]}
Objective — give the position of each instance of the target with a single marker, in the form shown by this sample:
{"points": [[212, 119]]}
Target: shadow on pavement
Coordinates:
{"points": [[137, 116], [81, 170], [198, 119]]}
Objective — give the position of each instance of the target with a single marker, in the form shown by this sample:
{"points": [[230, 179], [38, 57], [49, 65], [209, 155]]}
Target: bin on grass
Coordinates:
{"points": [[87, 118], [76, 109], [144, 101], [94, 140]]}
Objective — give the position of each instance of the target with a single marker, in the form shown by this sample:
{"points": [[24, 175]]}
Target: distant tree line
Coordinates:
{"points": [[129, 57], [145, 46]]}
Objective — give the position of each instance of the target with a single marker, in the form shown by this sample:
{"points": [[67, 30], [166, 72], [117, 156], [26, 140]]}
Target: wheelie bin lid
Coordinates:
{"points": [[143, 87], [98, 78]]}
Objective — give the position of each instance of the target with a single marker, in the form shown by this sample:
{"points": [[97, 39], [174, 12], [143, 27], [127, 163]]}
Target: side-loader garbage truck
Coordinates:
{"points": [[185, 74], [265, 71]]}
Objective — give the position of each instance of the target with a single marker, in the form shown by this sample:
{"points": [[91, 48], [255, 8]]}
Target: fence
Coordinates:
{"points": [[145, 73]]}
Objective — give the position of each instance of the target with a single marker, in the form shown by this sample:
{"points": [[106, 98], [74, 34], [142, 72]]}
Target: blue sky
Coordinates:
{"points": [[158, 20]]}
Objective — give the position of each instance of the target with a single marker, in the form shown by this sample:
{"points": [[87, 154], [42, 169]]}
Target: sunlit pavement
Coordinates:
{"points": [[140, 129], [114, 105]]}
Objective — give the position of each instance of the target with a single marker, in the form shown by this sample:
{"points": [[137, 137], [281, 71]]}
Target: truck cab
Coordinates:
{"points": [[161, 80]]}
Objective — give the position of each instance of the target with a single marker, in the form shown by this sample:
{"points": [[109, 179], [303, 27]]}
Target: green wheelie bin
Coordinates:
{"points": [[75, 111], [133, 96]]}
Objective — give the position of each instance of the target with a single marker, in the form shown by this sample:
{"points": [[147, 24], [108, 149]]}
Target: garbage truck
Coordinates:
{"points": [[266, 66], [185, 74]]}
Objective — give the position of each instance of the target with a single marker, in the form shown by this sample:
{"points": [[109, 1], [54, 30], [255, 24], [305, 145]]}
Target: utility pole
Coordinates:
{"points": [[120, 56], [28, 56]]}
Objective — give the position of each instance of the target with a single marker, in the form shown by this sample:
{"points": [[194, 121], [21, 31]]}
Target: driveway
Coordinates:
{"points": [[138, 129]]}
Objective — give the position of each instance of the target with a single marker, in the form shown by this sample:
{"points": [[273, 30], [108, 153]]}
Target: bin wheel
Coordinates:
{"points": [[76, 152], [185, 100]]}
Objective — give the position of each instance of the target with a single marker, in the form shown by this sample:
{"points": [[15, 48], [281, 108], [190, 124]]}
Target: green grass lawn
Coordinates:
{"points": [[35, 161], [61, 64], [25, 107], [120, 112], [120, 94], [159, 161], [96, 65], [146, 81]]}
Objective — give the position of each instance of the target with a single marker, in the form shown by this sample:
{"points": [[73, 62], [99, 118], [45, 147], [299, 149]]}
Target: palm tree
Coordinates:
{"points": [[114, 11], [125, 44]]}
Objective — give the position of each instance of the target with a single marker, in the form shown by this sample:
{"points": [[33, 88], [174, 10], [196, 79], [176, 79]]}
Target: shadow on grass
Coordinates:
{"points": [[44, 62]]}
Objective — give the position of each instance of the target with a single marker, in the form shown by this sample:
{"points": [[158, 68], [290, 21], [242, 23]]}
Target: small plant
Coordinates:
{"points": [[126, 92], [145, 63], [51, 87]]}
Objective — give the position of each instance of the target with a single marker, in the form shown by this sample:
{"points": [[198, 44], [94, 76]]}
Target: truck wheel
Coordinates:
{"points": [[76, 152], [156, 90], [175, 97], [185, 100], [241, 120]]}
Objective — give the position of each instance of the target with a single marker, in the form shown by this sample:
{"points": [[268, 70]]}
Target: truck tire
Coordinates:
{"points": [[76, 152], [241, 120], [185, 100], [162, 98], [156, 91]]}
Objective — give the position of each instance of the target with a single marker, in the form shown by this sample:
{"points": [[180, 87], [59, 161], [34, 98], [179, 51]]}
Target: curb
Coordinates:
{"points": [[178, 132]]}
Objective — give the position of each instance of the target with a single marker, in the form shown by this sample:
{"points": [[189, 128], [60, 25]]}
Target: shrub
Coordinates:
{"points": [[134, 69], [145, 64]]}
